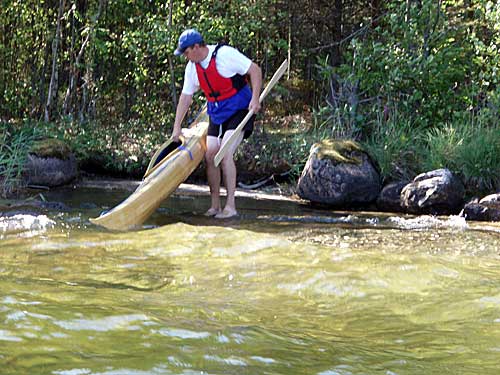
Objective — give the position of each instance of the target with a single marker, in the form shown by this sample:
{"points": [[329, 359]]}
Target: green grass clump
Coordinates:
{"points": [[14, 146], [393, 143], [468, 147]]}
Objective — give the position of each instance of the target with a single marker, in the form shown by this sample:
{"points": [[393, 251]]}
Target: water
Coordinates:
{"points": [[283, 290]]}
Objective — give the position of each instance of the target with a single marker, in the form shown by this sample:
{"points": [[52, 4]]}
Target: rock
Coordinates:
{"points": [[492, 201], [479, 212], [436, 192], [50, 163], [339, 173], [390, 197], [486, 209], [50, 171]]}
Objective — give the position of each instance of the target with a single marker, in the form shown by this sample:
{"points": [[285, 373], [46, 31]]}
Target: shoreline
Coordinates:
{"points": [[189, 189]]}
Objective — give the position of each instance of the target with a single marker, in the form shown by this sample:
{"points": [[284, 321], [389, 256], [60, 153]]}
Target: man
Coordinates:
{"points": [[220, 71]]}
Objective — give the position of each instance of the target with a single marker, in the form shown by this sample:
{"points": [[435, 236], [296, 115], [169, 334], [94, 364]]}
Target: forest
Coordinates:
{"points": [[416, 82]]}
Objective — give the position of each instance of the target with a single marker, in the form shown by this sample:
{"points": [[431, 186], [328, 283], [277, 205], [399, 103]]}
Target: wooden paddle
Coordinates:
{"points": [[230, 141]]}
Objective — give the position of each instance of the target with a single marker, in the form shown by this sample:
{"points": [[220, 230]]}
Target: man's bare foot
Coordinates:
{"points": [[212, 212], [226, 214]]}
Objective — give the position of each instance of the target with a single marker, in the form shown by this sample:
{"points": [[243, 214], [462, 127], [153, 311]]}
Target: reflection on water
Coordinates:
{"points": [[282, 290]]}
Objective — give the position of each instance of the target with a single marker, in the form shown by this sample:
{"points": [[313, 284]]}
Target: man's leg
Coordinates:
{"points": [[229, 172], [213, 175]]}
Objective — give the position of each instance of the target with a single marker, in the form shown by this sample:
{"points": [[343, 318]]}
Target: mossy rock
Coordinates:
{"points": [[51, 148], [338, 151], [339, 173]]}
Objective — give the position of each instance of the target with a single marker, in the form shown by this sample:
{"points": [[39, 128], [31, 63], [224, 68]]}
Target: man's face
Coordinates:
{"points": [[193, 53]]}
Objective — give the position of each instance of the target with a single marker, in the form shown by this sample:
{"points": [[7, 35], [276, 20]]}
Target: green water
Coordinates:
{"points": [[282, 290]]}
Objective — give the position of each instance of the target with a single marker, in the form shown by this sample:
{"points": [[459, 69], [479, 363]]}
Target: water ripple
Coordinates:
{"points": [[183, 333], [263, 359], [8, 336], [230, 361], [349, 219], [250, 247], [103, 325]]}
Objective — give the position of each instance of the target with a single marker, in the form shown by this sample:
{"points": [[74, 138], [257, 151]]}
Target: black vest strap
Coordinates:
{"points": [[238, 80]]}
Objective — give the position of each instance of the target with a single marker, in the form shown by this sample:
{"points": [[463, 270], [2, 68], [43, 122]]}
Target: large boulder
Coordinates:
{"points": [[339, 173], [50, 163], [435, 192]]}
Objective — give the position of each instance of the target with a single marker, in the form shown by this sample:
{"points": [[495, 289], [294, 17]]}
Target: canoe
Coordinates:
{"points": [[170, 166]]}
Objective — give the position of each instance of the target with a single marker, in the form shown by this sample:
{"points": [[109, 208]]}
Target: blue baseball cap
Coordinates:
{"points": [[187, 39]]}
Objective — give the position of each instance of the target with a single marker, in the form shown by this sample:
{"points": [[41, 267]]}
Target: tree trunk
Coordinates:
{"points": [[469, 15], [337, 32], [375, 11], [51, 95], [290, 21], [170, 62], [72, 68], [88, 103]]}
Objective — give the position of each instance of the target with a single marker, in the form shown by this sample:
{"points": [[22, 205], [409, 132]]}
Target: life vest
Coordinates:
{"points": [[215, 86]]}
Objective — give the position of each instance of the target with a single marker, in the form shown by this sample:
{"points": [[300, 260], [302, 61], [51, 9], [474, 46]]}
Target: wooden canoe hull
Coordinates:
{"points": [[161, 179]]}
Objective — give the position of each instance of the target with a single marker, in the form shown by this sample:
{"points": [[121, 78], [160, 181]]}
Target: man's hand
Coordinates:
{"points": [[254, 105], [182, 108], [176, 133]]}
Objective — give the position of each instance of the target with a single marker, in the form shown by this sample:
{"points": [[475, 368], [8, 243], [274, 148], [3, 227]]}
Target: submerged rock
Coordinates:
{"points": [[339, 173], [30, 207], [434, 192]]}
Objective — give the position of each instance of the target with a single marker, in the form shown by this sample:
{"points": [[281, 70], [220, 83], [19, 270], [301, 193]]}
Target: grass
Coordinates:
{"points": [[393, 144], [14, 148], [469, 147]]}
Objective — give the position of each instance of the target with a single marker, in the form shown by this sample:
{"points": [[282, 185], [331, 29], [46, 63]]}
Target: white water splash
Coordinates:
{"points": [[31, 224], [427, 222]]}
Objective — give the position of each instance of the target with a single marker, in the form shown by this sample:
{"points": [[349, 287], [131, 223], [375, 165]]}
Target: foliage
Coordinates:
{"points": [[393, 143], [421, 89], [279, 145], [14, 148], [122, 153], [340, 113], [114, 61], [469, 147]]}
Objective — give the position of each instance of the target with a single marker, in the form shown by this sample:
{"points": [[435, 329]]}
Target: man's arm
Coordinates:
{"points": [[182, 108], [256, 82]]}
